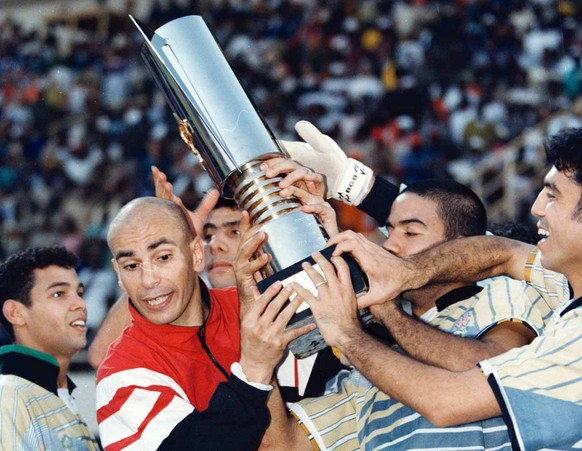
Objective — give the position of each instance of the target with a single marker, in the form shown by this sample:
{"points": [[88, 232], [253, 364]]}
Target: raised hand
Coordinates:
{"points": [[294, 175], [388, 275], [316, 205], [334, 307], [347, 180], [264, 336], [247, 262], [196, 218]]}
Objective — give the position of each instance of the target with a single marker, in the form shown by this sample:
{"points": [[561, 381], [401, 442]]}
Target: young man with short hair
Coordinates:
{"points": [[44, 313]]}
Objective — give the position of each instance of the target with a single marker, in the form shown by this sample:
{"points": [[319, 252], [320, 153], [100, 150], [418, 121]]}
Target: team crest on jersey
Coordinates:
{"points": [[465, 323]]}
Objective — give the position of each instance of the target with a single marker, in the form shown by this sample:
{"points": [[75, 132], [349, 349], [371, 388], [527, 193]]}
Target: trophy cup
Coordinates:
{"points": [[220, 124]]}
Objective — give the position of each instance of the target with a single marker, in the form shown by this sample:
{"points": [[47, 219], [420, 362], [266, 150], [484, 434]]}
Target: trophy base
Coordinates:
{"points": [[313, 341]]}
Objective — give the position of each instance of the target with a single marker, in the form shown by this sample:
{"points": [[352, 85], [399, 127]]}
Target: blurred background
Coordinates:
{"points": [[466, 89]]}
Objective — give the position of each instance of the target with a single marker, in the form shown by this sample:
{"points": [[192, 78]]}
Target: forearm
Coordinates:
{"points": [[236, 408], [431, 345], [284, 432], [117, 319], [469, 260], [431, 391]]}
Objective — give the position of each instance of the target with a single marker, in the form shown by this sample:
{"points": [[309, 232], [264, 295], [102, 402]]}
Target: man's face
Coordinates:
{"points": [[157, 268], [221, 237], [413, 225], [555, 208], [56, 319]]}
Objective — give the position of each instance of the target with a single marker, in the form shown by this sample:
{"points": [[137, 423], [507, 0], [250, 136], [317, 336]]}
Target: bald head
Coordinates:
{"points": [[139, 212]]}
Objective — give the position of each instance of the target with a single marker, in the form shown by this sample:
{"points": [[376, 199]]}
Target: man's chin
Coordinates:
{"points": [[222, 280]]}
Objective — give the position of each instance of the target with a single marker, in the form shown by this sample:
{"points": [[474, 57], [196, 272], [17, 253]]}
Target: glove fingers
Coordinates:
{"points": [[298, 150], [312, 135]]}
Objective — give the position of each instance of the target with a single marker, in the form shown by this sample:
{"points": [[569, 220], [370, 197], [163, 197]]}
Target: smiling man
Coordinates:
{"points": [[536, 388], [44, 313]]}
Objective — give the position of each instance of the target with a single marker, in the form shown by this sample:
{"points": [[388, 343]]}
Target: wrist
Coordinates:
{"points": [[353, 184], [386, 311], [254, 372], [347, 339]]}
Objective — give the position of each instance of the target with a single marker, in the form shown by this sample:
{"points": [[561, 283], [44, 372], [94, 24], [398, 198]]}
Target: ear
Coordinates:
{"points": [[116, 269], [197, 249], [14, 312]]}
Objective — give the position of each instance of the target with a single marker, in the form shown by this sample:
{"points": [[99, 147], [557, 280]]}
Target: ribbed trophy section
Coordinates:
{"points": [[293, 234]]}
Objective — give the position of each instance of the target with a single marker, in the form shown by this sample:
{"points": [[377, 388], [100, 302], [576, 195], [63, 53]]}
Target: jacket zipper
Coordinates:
{"points": [[202, 338]]}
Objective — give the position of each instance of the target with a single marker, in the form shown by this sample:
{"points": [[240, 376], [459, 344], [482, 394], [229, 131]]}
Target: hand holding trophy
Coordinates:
{"points": [[221, 125]]}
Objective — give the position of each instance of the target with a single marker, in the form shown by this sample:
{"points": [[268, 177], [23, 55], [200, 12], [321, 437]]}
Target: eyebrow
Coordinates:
{"points": [[151, 247], [408, 221], [551, 185], [210, 225], [63, 284]]}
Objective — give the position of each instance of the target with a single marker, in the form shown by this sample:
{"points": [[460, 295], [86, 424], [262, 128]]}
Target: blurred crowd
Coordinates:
{"points": [[408, 86]]}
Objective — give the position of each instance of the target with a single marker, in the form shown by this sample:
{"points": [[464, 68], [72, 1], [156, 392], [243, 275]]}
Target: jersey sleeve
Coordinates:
{"points": [[236, 418], [378, 202], [539, 388], [550, 287], [330, 420], [140, 409]]}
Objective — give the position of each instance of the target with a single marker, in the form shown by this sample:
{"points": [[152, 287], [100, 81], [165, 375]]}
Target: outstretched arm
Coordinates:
{"points": [[431, 391], [436, 347], [462, 260]]}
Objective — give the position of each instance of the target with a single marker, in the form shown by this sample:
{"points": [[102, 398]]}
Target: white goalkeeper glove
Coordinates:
{"points": [[348, 180]]}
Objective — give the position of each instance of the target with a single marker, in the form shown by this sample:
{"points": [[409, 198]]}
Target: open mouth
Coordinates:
{"points": [[542, 234], [157, 301], [79, 324]]}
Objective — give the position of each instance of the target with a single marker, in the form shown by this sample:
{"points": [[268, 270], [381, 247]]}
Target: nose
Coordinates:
{"points": [[149, 275], [79, 303], [392, 245], [539, 206], [219, 244]]}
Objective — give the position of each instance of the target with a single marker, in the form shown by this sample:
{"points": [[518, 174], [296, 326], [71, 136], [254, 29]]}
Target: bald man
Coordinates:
{"points": [[186, 373]]}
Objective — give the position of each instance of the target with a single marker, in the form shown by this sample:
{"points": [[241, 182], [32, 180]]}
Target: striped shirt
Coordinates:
{"points": [[539, 387], [360, 416], [32, 416]]}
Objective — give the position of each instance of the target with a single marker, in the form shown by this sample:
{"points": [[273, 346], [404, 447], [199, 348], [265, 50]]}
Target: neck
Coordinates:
{"points": [[64, 364], [63, 361], [199, 309], [424, 299]]}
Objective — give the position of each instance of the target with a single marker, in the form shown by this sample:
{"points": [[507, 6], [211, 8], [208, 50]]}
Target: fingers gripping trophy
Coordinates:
{"points": [[221, 125]]}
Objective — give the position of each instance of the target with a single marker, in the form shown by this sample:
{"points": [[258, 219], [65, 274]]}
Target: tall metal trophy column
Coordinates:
{"points": [[221, 125]]}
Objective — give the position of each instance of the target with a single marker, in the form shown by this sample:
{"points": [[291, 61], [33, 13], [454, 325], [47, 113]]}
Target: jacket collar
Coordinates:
{"points": [[30, 364], [456, 295]]}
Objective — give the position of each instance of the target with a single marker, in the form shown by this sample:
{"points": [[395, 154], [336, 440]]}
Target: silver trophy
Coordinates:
{"points": [[220, 124]]}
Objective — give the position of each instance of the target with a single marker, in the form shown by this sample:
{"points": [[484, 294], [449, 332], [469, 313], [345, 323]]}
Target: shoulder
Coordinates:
{"points": [[226, 298], [124, 353]]}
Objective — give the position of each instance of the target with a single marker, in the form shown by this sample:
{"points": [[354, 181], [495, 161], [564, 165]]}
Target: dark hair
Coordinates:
{"points": [[224, 202], [17, 274], [564, 151], [524, 232], [460, 209]]}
